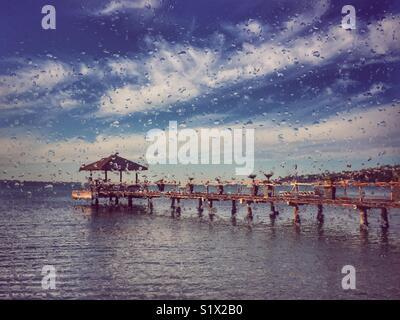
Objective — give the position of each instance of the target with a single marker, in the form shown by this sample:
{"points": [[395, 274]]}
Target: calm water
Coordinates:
{"points": [[132, 254]]}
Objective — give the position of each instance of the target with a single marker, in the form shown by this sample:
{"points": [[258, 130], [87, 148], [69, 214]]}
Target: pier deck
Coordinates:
{"points": [[244, 198], [293, 199]]}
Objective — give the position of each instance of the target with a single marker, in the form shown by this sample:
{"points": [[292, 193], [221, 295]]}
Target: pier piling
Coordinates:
{"points": [[150, 204], [249, 211], [200, 207], [384, 218], [296, 215], [320, 213], [274, 212], [294, 198], [178, 207], [234, 208], [363, 217], [211, 211]]}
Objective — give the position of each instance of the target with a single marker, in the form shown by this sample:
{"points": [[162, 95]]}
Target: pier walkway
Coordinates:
{"points": [[293, 198]]}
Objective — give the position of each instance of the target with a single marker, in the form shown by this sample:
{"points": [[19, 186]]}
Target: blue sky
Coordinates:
{"points": [[317, 95]]}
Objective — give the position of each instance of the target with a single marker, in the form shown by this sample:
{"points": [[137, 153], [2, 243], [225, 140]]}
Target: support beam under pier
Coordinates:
{"points": [[234, 208], [150, 204], [211, 210], [384, 218], [249, 211], [200, 207], [296, 215], [274, 212], [178, 207], [363, 217], [320, 213]]}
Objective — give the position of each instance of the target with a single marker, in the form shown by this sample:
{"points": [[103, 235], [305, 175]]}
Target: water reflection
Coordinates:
{"points": [[364, 235], [233, 219]]}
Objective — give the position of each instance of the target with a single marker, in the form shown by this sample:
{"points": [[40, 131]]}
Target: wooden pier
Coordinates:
{"points": [[294, 199], [324, 193]]}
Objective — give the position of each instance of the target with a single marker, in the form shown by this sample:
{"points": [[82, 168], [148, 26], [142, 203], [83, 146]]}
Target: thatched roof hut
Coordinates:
{"points": [[113, 163]]}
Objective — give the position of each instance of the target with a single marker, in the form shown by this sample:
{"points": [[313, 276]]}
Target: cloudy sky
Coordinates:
{"points": [[318, 96]]}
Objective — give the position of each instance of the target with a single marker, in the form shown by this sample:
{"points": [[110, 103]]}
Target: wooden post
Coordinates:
{"points": [[249, 211], [296, 216], [200, 206], [210, 212], [105, 175], [173, 203], [273, 213], [120, 176], [136, 178], [363, 217], [254, 189], [116, 201], [234, 208], [384, 218], [150, 204], [178, 206], [320, 214], [130, 202]]}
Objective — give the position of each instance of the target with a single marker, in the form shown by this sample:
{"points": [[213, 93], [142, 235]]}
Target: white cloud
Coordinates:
{"points": [[357, 135], [23, 153], [121, 5], [69, 103], [361, 130], [41, 77], [384, 35], [348, 134], [31, 158], [124, 67], [177, 73], [174, 74], [301, 21], [246, 30], [252, 26]]}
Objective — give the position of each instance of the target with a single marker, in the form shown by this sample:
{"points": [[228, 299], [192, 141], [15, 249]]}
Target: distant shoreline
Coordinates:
{"points": [[383, 173], [33, 183]]}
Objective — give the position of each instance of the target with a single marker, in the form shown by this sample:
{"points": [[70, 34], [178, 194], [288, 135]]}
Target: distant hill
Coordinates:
{"points": [[383, 173]]}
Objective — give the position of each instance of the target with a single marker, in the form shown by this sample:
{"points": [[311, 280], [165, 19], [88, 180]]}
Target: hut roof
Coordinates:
{"points": [[113, 163]]}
